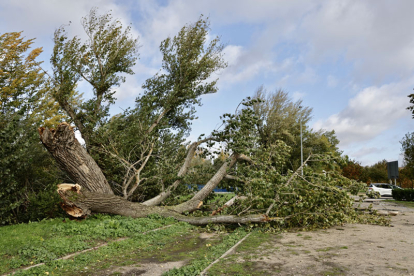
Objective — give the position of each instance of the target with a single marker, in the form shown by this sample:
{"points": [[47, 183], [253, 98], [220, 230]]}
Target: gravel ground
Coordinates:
{"points": [[353, 249]]}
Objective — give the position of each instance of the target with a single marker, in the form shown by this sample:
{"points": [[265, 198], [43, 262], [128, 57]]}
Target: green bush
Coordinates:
{"points": [[44, 204], [403, 194], [30, 205]]}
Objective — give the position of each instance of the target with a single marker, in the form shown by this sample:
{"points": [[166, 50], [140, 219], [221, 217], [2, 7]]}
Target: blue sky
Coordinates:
{"points": [[351, 61]]}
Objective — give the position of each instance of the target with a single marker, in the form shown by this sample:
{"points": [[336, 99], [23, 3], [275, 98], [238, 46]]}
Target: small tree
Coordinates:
{"points": [[280, 119], [26, 170], [407, 148], [377, 172], [353, 170]]}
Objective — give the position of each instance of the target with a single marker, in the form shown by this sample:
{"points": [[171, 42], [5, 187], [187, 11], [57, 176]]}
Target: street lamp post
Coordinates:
{"points": [[301, 144], [301, 147]]}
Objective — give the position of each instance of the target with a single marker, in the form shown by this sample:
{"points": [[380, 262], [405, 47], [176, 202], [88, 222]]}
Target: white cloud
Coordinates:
{"points": [[128, 90], [232, 54], [245, 73], [244, 65], [370, 112], [282, 82], [40, 18], [375, 38]]}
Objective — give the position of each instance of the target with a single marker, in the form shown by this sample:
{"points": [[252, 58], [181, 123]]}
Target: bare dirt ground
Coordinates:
{"points": [[353, 249]]}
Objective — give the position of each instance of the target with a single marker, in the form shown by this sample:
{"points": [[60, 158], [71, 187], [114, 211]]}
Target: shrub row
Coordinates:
{"points": [[403, 194]]}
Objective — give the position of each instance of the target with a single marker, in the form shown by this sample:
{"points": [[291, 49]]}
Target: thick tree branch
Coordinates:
{"points": [[69, 110], [138, 172], [198, 198], [80, 203], [183, 171]]}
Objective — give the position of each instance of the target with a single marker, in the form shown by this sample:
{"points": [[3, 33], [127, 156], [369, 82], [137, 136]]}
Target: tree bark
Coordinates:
{"points": [[194, 203], [85, 203], [74, 159]]}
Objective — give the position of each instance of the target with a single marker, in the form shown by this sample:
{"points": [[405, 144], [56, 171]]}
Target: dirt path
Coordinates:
{"points": [[353, 249]]}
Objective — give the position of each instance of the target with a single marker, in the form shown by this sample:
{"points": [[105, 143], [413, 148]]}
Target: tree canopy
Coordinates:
{"points": [[26, 170], [280, 119], [109, 51]]}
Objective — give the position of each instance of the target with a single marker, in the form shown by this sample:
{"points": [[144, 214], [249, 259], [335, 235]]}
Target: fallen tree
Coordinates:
{"points": [[142, 151], [94, 194]]}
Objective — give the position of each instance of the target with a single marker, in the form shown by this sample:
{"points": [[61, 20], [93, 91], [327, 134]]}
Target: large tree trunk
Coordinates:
{"points": [[80, 203], [74, 159]]}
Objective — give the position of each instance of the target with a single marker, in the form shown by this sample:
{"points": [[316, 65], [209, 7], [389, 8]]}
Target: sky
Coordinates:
{"points": [[351, 61]]}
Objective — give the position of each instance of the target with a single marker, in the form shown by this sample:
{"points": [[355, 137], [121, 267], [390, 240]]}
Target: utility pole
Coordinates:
{"points": [[301, 144]]}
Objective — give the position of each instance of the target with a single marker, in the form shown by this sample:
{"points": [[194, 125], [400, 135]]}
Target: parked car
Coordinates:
{"points": [[383, 189]]}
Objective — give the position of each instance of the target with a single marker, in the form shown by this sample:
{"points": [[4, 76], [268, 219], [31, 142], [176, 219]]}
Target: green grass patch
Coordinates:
{"points": [[27, 244], [115, 254], [326, 249], [404, 203], [187, 247]]}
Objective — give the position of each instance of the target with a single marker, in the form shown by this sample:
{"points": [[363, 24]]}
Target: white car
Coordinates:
{"points": [[383, 189]]}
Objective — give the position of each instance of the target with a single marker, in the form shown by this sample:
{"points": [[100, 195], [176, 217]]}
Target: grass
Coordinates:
{"points": [[326, 249], [409, 204], [27, 244], [116, 254]]}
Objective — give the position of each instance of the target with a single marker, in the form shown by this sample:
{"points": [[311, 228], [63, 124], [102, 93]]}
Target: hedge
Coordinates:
{"points": [[403, 194]]}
